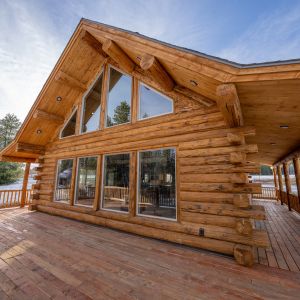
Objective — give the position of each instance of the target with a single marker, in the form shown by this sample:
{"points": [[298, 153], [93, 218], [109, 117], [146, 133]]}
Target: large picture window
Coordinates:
{"points": [[152, 103], [63, 180], [157, 183], [119, 98], [86, 181], [115, 190], [91, 107]]}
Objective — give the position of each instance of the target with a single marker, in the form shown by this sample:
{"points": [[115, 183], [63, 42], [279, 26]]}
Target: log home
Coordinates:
{"points": [[145, 137]]}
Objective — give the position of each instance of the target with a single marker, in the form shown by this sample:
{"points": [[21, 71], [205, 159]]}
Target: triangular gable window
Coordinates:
{"points": [[152, 103], [70, 126]]}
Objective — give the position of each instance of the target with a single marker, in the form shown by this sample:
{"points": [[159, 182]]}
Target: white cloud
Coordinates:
{"points": [[271, 37]]}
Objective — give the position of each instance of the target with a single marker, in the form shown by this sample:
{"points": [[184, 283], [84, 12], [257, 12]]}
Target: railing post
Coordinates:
{"points": [[287, 182], [279, 175], [296, 162], [25, 182]]}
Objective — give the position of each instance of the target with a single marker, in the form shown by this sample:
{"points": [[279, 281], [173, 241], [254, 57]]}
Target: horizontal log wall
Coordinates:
{"points": [[212, 185]]}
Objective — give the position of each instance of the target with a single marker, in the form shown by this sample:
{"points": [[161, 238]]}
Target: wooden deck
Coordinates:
{"points": [[283, 229], [48, 257]]}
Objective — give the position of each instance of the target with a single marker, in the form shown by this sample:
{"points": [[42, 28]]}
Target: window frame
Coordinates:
{"points": [[55, 185], [75, 110], [155, 91], [76, 181], [102, 183], [109, 66], [83, 102], [138, 186]]}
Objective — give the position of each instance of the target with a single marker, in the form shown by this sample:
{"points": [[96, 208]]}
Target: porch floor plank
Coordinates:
{"points": [[49, 257]]}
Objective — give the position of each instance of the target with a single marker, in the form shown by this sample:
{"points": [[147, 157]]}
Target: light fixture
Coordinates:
{"points": [[39, 131], [58, 98], [284, 126], [272, 144], [193, 83]]}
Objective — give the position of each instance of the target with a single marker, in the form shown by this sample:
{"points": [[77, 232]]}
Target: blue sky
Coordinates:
{"points": [[33, 33]]}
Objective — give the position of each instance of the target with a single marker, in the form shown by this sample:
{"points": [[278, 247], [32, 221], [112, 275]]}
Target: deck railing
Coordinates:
{"points": [[267, 193], [293, 199], [12, 198]]}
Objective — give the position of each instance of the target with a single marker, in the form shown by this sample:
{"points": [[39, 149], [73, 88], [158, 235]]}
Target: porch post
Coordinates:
{"points": [[275, 182], [25, 182], [279, 175], [296, 161], [287, 182]]}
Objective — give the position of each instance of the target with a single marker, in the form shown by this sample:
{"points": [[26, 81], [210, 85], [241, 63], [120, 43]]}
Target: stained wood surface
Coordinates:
{"points": [[48, 257], [283, 227]]}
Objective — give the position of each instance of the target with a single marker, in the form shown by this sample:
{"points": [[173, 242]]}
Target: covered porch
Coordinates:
{"points": [[50, 257]]}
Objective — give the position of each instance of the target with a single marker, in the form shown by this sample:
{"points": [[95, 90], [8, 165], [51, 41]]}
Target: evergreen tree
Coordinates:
{"points": [[9, 125], [122, 113]]}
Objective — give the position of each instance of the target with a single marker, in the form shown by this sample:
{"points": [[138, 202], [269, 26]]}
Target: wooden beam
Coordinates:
{"points": [[41, 114], [17, 159], [64, 78], [93, 42], [119, 56], [296, 162], [156, 71], [279, 173], [229, 104], [24, 187], [196, 96], [30, 148]]}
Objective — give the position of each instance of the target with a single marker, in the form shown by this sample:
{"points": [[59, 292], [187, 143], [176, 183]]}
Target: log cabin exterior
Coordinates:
{"points": [[173, 164]]}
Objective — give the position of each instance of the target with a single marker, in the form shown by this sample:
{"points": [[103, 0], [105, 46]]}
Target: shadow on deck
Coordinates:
{"points": [[283, 227], [49, 257]]}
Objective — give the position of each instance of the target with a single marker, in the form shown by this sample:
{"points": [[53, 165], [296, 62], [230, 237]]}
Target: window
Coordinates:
{"points": [[152, 103], [91, 107], [86, 181], [119, 98], [293, 184], [63, 180], [283, 178], [115, 191], [70, 126], [157, 183]]}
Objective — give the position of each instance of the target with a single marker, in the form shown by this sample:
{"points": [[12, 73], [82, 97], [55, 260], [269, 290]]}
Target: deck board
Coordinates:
{"points": [[283, 229], [49, 257]]}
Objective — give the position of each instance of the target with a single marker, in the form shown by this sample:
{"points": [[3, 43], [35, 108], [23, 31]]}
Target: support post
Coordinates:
{"points": [[275, 181], [280, 183], [24, 187], [296, 162], [287, 182]]}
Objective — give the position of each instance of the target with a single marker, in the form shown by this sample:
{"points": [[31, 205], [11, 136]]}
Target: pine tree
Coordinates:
{"points": [[122, 113], [9, 125]]}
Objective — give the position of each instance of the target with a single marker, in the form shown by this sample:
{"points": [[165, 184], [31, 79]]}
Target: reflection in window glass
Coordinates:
{"points": [[63, 180], [70, 127], [152, 103], [292, 178], [115, 194], [91, 108], [157, 183], [86, 181], [119, 98]]}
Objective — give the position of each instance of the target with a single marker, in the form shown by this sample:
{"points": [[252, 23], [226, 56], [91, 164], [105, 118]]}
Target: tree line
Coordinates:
{"points": [[9, 171]]}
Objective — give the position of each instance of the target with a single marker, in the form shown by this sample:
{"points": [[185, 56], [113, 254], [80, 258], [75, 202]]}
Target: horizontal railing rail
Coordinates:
{"points": [[267, 193], [12, 198]]}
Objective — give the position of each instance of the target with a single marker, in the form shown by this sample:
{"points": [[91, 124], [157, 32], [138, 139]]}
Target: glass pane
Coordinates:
{"points": [[86, 181], [157, 183], [119, 98], [292, 178], [70, 127], [63, 180], [116, 182], [91, 108], [153, 104]]}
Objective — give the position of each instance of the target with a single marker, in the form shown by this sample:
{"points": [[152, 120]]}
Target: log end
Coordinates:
{"points": [[243, 255]]}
